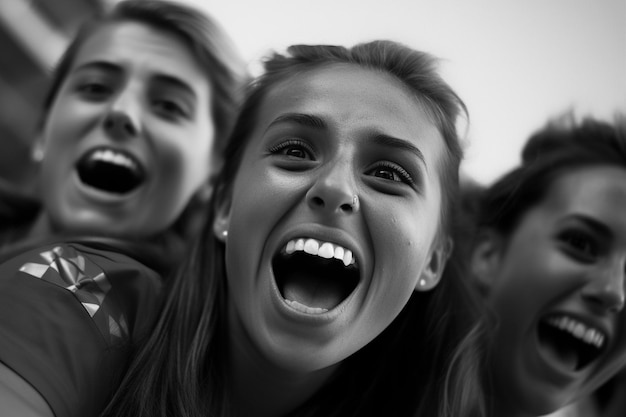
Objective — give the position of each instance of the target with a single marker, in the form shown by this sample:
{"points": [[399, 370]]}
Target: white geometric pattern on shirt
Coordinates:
{"points": [[71, 275]]}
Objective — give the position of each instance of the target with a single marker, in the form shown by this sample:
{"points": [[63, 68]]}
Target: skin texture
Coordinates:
{"points": [[566, 256], [321, 138], [138, 90], [19, 398]]}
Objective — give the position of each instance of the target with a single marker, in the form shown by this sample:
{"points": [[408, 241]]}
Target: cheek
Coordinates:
{"points": [[530, 279], [183, 165], [402, 241], [69, 118]]}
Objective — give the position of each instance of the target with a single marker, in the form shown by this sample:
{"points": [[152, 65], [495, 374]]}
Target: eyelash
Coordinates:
{"points": [[581, 244], [93, 89], [291, 144], [404, 176], [170, 108]]}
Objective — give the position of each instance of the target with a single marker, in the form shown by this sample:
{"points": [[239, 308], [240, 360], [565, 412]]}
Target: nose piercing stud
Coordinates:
{"points": [[355, 202]]}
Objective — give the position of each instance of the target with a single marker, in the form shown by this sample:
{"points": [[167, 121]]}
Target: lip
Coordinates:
{"points": [[560, 374], [325, 234], [103, 197]]}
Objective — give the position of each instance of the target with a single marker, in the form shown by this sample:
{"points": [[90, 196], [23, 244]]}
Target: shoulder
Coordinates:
{"points": [[98, 280], [68, 313]]}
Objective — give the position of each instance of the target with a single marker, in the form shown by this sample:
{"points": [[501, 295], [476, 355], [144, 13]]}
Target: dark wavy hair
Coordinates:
{"points": [[405, 371]]}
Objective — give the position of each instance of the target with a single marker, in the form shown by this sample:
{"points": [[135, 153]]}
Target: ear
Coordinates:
{"points": [[431, 275], [485, 258], [222, 217]]}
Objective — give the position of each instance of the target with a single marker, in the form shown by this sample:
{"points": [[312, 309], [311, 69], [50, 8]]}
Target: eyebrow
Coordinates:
{"points": [[159, 77], [306, 120], [399, 144], [102, 65], [381, 139], [175, 82], [593, 224]]}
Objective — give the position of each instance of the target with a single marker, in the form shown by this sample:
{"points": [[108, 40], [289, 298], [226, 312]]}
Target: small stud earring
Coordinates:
{"points": [[224, 234], [422, 282]]}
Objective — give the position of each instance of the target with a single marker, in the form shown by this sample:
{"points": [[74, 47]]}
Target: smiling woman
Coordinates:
{"points": [[551, 254], [133, 130], [318, 287]]}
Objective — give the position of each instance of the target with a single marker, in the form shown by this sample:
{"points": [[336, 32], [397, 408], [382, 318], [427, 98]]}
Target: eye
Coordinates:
{"points": [[94, 90], [390, 171], [169, 108], [580, 244], [293, 149]]}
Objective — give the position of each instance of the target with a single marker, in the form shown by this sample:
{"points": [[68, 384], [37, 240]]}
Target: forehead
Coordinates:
{"points": [[352, 99], [140, 46], [597, 192], [600, 188]]}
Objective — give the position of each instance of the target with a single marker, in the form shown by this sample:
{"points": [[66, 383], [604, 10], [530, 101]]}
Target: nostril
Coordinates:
{"points": [[346, 207], [119, 125], [317, 201], [608, 302]]}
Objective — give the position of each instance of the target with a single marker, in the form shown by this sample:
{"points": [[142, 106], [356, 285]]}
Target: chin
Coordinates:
{"points": [[532, 402]]}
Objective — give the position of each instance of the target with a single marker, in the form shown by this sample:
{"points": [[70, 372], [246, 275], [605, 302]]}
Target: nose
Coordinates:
{"points": [[606, 291], [334, 192], [122, 119]]}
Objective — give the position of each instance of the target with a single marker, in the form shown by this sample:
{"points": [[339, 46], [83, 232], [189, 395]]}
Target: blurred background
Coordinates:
{"points": [[516, 63]]}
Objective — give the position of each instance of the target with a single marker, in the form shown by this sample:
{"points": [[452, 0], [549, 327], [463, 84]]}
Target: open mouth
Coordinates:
{"points": [[110, 170], [571, 342], [313, 276]]}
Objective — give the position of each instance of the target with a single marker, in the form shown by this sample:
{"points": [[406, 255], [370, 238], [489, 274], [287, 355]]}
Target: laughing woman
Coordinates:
{"points": [[137, 104], [551, 255], [319, 287], [135, 122]]}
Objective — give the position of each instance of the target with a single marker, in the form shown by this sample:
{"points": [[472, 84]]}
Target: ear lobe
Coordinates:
{"points": [[485, 259], [432, 273]]}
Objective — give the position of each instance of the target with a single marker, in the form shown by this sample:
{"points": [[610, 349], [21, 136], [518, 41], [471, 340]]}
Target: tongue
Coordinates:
{"points": [[564, 355], [313, 291]]}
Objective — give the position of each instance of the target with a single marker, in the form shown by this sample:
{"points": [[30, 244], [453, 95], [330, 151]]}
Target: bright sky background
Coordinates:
{"points": [[514, 62]]}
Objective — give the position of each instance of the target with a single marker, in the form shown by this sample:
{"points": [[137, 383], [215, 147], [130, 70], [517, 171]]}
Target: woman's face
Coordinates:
{"points": [[333, 218], [128, 138], [557, 287]]}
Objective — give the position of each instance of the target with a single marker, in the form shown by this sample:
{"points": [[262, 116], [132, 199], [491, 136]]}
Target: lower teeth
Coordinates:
{"points": [[306, 309]]}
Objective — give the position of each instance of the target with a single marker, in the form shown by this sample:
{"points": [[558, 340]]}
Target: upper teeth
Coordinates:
{"points": [[325, 250], [579, 330], [113, 157]]}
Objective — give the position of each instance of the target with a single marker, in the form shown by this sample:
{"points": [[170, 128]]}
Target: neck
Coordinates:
{"points": [[260, 388], [40, 228]]}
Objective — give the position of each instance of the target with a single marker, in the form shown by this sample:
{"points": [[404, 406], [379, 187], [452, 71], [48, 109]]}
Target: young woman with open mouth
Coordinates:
{"points": [[319, 288], [134, 128], [551, 256]]}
